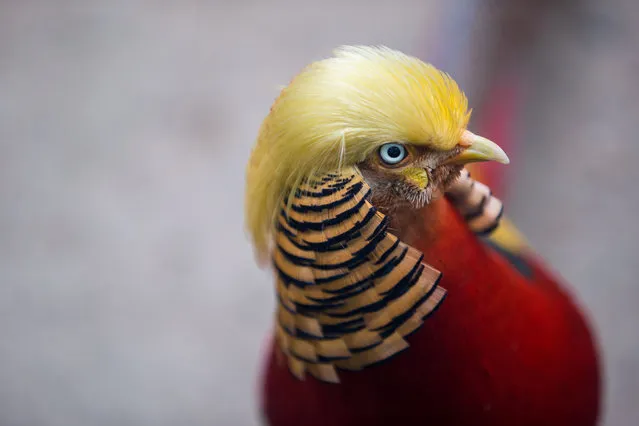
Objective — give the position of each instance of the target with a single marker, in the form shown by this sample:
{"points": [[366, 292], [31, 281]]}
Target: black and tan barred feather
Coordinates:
{"points": [[476, 204], [484, 216], [348, 291]]}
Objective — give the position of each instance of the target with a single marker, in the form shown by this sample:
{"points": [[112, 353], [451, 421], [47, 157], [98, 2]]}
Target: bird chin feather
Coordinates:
{"points": [[418, 198], [391, 194], [441, 179]]}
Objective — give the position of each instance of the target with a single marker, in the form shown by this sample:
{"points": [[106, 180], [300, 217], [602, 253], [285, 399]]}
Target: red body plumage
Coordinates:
{"points": [[503, 349]]}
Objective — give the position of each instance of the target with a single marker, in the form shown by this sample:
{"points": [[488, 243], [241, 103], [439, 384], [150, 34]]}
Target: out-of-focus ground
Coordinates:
{"points": [[128, 291]]}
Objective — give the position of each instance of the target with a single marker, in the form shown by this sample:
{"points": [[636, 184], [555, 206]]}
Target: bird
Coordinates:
{"points": [[403, 293]]}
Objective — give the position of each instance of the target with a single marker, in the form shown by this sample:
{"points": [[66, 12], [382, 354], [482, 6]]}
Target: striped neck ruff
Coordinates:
{"points": [[349, 292]]}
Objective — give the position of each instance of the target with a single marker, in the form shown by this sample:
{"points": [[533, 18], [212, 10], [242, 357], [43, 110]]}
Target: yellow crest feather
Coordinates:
{"points": [[339, 110]]}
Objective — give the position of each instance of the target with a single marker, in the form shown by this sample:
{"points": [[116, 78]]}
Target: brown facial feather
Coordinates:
{"points": [[400, 199]]}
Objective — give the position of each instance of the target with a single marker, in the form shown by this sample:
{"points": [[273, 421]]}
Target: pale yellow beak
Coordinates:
{"points": [[478, 149]]}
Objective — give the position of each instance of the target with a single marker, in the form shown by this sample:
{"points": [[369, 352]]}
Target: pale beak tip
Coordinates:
{"points": [[502, 158]]}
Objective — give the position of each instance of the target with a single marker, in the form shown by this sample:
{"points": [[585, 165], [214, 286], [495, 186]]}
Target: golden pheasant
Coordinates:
{"points": [[403, 295]]}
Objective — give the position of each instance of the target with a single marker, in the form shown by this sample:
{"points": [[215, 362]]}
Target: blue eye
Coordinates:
{"points": [[392, 153]]}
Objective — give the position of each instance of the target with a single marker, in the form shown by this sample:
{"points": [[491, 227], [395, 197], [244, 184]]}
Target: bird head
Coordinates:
{"points": [[401, 122]]}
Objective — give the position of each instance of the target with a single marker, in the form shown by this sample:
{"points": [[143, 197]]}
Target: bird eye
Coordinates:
{"points": [[392, 153]]}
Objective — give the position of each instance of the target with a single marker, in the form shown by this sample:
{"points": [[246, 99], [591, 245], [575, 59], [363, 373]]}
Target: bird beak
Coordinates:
{"points": [[478, 149]]}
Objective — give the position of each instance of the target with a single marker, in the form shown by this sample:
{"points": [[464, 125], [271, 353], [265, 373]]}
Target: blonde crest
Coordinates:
{"points": [[338, 111]]}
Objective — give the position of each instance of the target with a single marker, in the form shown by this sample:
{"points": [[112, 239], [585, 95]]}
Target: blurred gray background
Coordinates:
{"points": [[128, 291]]}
